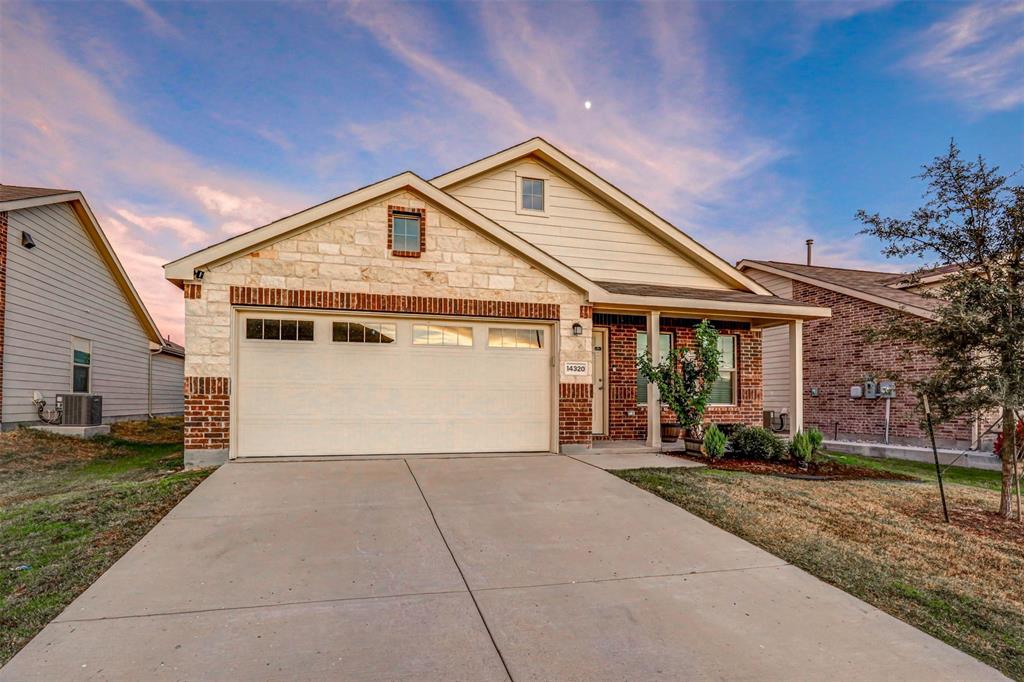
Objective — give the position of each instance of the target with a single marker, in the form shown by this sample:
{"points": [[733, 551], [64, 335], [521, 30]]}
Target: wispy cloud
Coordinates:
{"points": [[156, 200], [154, 20], [976, 55]]}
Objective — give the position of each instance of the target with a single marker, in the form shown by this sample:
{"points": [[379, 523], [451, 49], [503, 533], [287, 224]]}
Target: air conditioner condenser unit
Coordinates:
{"points": [[80, 409]]}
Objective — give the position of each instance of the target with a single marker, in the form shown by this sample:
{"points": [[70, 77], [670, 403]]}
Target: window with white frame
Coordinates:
{"points": [[441, 335], [279, 330], [405, 233], [81, 365], [664, 346], [723, 391], [363, 332], [531, 194]]}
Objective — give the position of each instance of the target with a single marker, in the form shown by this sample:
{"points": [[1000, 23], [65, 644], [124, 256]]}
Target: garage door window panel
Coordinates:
{"points": [[515, 338], [364, 332], [263, 329], [442, 335]]}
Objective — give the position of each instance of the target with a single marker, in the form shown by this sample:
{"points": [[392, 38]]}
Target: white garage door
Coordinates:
{"points": [[341, 385]]}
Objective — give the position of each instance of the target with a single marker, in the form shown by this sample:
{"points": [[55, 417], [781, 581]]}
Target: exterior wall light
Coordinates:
{"points": [[577, 329], [26, 241]]}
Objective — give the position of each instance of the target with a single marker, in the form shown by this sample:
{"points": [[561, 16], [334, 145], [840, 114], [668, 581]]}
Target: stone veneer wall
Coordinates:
{"points": [[628, 421], [350, 254], [837, 356]]}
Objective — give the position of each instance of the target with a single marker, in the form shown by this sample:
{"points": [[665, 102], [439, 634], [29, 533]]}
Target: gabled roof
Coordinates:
{"points": [[609, 193], [16, 193], [868, 285], [183, 268], [14, 198]]}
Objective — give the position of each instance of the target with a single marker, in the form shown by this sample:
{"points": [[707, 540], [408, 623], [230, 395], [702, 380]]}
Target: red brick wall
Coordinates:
{"points": [[837, 356], [193, 291], [3, 296], [392, 303], [207, 413], [628, 421], [575, 413]]}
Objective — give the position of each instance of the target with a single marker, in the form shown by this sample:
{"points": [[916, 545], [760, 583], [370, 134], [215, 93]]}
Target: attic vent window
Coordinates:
{"points": [[532, 194], [406, 236]]}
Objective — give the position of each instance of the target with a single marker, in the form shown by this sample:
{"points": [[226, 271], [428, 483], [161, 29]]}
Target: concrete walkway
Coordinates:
{"points": [[529, 568]]}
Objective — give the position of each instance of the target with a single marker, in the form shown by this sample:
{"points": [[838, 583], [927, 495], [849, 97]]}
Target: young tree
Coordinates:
{"points": [[972, 219]]}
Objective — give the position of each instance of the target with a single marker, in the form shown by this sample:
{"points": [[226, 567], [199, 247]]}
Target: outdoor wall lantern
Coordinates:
{"points": [[577, 329], [26, 241]]}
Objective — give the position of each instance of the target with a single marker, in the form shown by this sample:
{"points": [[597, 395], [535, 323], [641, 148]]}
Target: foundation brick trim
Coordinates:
{"points": [[193, 291], [207, 413], [575, 413], [392, 303], [3, 296], [422, 213]]}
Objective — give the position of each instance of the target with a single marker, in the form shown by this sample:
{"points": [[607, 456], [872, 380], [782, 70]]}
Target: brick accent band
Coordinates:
{"points": [[207, 413], [586, 312], [193, 291], [3, 295], [422, 213], [575, 413], [392, 303]]}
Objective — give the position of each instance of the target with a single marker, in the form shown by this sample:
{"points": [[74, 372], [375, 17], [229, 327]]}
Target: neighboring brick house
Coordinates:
{"points": [[457, 315], [837, 356], [70, 319]]}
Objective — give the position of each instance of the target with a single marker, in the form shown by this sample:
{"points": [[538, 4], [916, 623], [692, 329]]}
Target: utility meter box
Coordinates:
{"points": [[887, 388], [870, 390], [856, 391]]}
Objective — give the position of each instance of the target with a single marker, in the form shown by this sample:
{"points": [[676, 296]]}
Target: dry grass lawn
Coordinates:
{"points": [[882, 541], [70, 508]]}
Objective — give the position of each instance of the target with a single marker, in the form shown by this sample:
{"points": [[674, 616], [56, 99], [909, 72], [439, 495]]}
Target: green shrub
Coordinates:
{"points": [[817, 438], [800, 447], [757, 443], [714, 442]]}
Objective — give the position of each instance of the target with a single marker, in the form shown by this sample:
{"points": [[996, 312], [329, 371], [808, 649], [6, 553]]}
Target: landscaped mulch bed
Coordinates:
{"points": [[825, 470]]}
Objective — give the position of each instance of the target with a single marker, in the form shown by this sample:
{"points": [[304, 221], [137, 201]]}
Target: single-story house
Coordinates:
{"points": [[844, 375], [497, 307], [72, 321]]}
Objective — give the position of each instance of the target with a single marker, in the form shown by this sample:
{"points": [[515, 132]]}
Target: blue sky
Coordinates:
{"points": [[752, 126]]}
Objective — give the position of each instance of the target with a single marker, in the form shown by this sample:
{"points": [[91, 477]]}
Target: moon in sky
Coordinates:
{"points": [[586, 105]]}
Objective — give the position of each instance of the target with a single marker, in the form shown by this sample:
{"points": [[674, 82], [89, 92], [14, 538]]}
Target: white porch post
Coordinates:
{"points": [[796, 376], [653, 406]]}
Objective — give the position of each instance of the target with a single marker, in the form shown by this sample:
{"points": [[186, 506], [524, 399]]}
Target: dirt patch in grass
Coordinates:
{"points": [[70, 508], [882, 541], [825, 469], [160, 430]]}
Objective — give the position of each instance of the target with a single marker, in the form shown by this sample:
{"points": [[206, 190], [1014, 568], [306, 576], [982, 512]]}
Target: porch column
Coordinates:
{"points": [[653, 406], [796, 376]]}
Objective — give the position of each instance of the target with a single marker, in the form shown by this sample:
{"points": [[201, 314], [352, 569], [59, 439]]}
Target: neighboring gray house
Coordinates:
{"points": [[72, 321]]}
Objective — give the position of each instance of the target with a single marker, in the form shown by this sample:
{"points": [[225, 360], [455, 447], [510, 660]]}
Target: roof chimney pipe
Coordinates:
{"points": [[810, 248]]}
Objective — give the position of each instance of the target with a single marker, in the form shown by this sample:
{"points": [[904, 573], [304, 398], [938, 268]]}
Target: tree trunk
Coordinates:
{"points": [[1009, 452]]}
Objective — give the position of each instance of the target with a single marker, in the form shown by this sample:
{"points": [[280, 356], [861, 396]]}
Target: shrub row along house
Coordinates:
{"points": [[844, 373], [498, 307], [72, 323]]}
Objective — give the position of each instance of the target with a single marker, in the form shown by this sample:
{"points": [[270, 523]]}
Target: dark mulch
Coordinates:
{"points": [[824, 471]]}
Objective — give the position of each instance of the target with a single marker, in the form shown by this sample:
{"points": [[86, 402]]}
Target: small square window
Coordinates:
{"points": [[289, 330], [254, 329], [305, 330], [532, 194], [405, 232]]}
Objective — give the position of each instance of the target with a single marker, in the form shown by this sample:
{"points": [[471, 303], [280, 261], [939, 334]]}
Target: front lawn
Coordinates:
{"points": [[882, 541], [70, 508], [980, 478]]}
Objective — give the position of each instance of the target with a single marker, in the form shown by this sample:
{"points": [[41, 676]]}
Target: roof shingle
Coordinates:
{"points": [[17, 193]]}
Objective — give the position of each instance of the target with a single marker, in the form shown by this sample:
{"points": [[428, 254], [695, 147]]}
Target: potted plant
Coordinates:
{"points": [[684, 378]]}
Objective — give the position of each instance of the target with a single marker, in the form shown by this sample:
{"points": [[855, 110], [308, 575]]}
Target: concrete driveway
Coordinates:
{"points": [[468, 568]]}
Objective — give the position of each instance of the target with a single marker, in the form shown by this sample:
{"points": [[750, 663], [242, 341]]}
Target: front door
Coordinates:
{"points": [[600, 409]]}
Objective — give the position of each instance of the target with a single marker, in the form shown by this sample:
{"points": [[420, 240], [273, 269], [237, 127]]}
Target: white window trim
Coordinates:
{"points": [[363, 344], [521, 349], [735, 373], [412, 336], [88, 342], [532, 173], [245, 335]]}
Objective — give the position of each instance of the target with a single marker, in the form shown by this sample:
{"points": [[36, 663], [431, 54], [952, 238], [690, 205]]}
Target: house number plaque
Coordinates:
{"points": [[578, 369]]}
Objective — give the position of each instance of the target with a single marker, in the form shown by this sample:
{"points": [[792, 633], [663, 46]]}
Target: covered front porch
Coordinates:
{"points": [[627, 413]]}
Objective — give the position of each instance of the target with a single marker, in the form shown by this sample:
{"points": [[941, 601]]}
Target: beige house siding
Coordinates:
{"points": [[168, 379], [348, 253], [775, 347], [61, 289], [580, 231]]}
